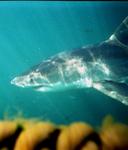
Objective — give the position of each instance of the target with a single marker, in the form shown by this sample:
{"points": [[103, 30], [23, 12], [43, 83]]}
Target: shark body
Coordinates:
{"points": [[102, 66]]}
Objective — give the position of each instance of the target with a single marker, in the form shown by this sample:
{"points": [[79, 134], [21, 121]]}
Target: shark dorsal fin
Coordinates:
{"points": [[121, 34]]}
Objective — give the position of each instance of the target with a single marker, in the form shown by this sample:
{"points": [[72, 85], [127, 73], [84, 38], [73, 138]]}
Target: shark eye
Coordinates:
{"points": [[31, 80]]}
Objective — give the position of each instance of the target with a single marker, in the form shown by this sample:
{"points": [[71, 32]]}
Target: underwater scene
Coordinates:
{"points": [[64, 62]]}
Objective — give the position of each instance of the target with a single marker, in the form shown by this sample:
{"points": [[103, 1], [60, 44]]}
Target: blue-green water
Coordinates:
{"points": [[32, 31]]}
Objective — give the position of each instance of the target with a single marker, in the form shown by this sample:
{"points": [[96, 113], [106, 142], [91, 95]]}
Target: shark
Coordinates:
{"points": [[102, 66]]}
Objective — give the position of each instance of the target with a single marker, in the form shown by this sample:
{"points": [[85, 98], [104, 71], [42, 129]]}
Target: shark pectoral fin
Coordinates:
{"points": [[118, 91]]}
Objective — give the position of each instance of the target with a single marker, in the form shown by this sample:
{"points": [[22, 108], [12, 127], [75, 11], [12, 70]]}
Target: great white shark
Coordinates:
{"points": [[102, 66]]}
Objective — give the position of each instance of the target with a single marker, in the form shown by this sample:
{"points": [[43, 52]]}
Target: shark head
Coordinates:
{"points": [[33, 79], [57, 73]]}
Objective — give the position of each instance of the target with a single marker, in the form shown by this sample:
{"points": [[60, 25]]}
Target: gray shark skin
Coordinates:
{"points": [[102, 66]]}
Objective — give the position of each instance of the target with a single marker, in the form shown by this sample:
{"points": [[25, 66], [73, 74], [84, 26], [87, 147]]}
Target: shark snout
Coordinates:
{"points": [[31, 80], [18, 81]]}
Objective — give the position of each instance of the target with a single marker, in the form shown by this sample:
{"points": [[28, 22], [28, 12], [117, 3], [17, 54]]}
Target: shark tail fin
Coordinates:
{"points": [[121, 34]]}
